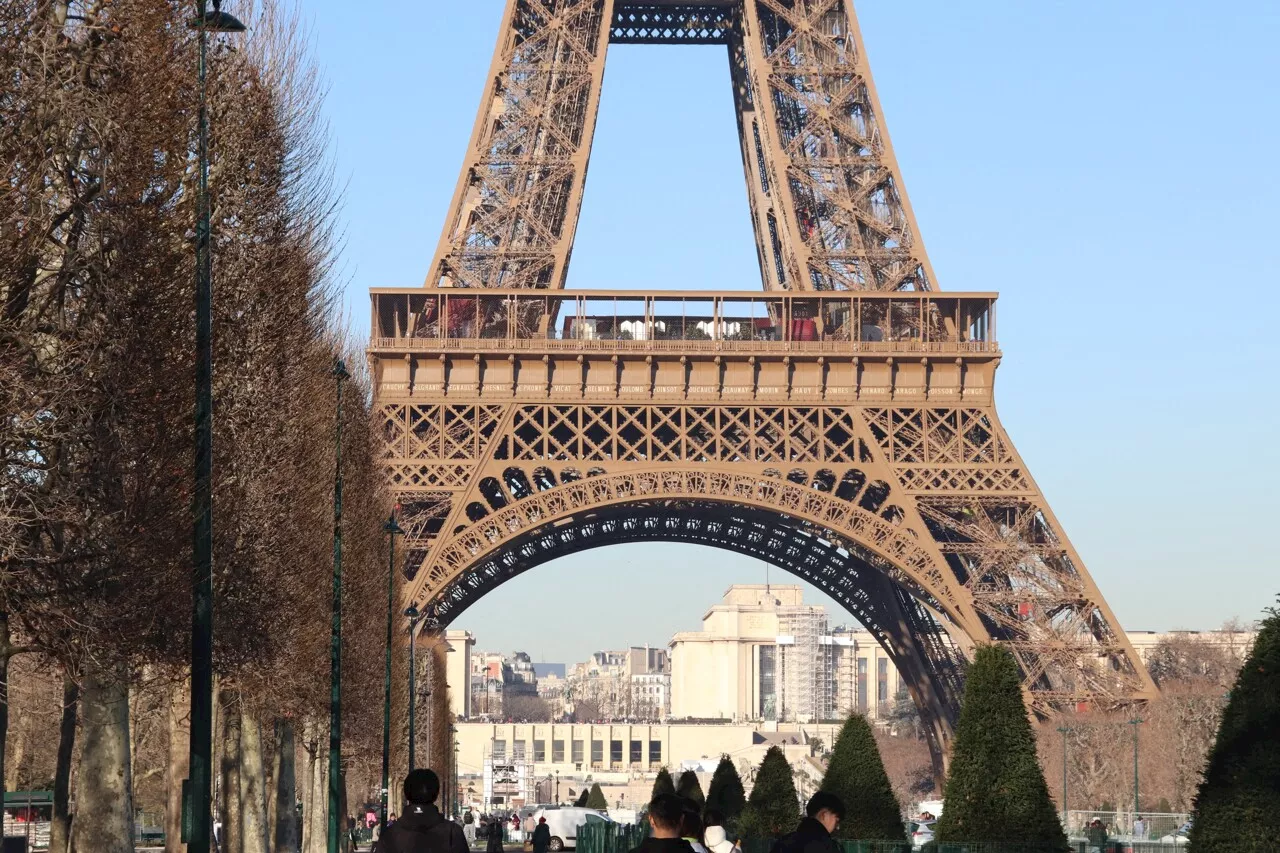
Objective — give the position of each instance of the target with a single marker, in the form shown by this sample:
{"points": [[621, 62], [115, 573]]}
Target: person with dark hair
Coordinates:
{"points": [[813, 835], [665, 814], [422, 829], [691, 825], [715, 837]]}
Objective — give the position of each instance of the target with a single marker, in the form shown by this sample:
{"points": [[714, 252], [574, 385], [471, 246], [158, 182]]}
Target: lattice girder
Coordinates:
{"points": [[973, 542], [841, 425], [828, 205]]}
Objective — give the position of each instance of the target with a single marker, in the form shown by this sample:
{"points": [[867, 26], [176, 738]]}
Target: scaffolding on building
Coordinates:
{"points": [[806, 674]]}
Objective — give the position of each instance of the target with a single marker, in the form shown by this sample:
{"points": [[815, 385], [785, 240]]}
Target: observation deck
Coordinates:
{"points": [[690, 345]]}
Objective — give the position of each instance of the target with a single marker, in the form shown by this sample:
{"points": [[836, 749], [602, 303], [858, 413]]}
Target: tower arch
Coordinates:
{"points": [[908, 623]]}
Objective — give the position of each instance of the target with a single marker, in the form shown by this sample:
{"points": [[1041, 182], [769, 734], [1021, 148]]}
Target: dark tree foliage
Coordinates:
{"points": [[857, 776], [595, 799], [996, 789], [726, 795], [581, 802], [663, 784], [1235, 808], [691, 789], [773, 807]]}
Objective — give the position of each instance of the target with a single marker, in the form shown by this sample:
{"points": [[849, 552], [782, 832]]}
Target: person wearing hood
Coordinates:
{"points": [[422, 829], [715, 837], [541, 836], [665, 813], [813, 835], [497, 828]]}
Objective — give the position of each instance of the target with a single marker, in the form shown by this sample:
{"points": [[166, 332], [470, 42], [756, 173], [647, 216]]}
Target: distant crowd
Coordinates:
{"points": [[676, 825]]}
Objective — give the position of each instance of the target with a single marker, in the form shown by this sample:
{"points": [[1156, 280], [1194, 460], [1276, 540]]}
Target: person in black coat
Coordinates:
{"points": [[422, 829], [497, 827], [541, 836], [665, 812], [813, 835]]}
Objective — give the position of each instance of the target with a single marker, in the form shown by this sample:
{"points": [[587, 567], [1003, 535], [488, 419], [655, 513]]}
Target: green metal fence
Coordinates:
{"points": [[611, 837], [621, 838], [764, 845]]}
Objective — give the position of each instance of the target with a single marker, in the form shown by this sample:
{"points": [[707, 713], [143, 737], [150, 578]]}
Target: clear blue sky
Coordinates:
{"points": [[1108, 167]]}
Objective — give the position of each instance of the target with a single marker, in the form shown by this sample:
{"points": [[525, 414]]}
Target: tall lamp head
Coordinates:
{"points": [[217, 21]]}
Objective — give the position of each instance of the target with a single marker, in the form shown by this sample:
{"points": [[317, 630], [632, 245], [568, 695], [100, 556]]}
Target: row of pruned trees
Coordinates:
{"points": [[1178, 727], [1211, 740], [98, 101]]}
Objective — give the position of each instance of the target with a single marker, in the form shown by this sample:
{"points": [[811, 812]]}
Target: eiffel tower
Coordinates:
{"points": [[839, 423]]}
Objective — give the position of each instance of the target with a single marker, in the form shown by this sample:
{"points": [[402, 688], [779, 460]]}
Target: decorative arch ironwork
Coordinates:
{"points": [[905, 621]]}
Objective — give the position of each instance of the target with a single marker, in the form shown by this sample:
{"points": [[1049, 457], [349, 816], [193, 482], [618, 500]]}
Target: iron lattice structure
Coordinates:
{"points": [[840, 424]]}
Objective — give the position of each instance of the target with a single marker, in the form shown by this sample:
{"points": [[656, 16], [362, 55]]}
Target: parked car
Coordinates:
{"points": [[564, 823], [921, 832]]}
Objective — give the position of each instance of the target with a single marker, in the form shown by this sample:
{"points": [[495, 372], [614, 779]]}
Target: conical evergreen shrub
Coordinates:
{"points": [[596, 800], [691, 789], [662, 784], [581, 802], [856, 775], [1238, 805], [726, 795], [773, 807], [996, 790]]}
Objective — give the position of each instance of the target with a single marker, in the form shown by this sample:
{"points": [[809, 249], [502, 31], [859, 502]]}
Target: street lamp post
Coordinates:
{"points": [[335, 637], [392, 529], [198, 796], [412, 613], [1135, 722], [1065, 730]]}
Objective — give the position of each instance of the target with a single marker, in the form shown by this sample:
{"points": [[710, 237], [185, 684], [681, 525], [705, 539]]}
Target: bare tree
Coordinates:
{"points": [[95, 329], [526, 709]]}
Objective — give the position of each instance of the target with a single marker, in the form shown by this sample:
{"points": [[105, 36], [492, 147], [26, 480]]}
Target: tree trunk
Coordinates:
{"points": [[13, 756], [60, 829], [177, 768], [232, 834], [344, 837], [285, 825], [5, 653], [312, 792], [316, 829], [104, 796], [273, 782], [253, 785]]}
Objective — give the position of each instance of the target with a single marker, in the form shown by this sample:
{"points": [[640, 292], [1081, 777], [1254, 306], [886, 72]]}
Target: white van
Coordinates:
{"points": [[564, 823]]}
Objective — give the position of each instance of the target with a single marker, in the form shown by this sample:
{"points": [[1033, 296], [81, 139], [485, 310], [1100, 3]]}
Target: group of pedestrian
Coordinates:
{"points": [[676, 827], [675, 823]]}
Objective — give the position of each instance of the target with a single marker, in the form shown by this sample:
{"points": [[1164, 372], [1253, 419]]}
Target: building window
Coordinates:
{"points": [[539, 750], [557, 751], [862, 685], [517, 750], [500, 750], [637, 751], [615, 752], [577, 752], [768, 683], [882, 680], [655, 752], [597, 752]]}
